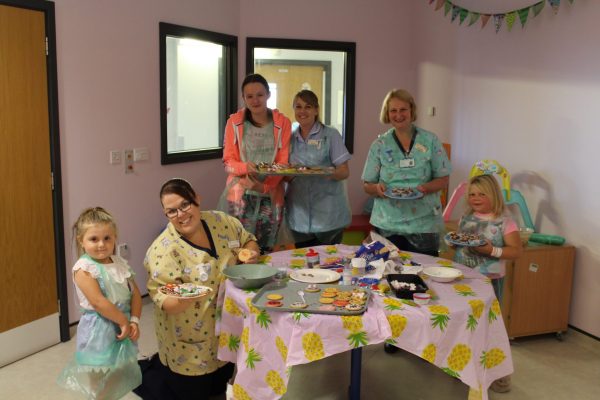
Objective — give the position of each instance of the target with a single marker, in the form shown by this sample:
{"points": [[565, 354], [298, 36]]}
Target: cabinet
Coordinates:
{"points": [[537, 290]]}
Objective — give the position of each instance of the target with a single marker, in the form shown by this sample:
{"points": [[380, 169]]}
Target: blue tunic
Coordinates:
{"points": [[318, 204]]}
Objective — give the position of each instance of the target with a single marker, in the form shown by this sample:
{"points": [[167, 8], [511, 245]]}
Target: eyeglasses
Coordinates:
{"points": [[173, 212]]}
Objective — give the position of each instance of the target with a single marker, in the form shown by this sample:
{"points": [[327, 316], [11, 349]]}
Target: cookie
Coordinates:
{"points": [[331, 290], [340, 303], [246, 254], [273, 303], [326, 300], [298, 304], [328, 294], [312, 288], [274, 296], [353, 307]]}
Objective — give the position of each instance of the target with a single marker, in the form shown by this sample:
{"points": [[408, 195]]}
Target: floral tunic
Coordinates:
{"points": [[384, 164], [187, 341]]}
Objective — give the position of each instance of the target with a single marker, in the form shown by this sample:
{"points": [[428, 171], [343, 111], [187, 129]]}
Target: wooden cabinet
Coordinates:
{"points": [[537, 290]]}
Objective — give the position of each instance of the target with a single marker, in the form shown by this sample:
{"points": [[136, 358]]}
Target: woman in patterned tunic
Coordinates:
{"points": [[194, 247]]}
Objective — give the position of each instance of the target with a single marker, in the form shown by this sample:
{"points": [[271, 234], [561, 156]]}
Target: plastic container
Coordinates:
{"points": [[421, 298], [359, 266], [547, 239], [420, 286], [312, 258]]}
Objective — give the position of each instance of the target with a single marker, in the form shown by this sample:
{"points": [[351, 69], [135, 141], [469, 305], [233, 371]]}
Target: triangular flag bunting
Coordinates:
{"points": [[447, 7], [498, 18], [537, 7], [523, 14], [484, 20], [473, 18], [510, 19], [463, 14], [455, 11]]}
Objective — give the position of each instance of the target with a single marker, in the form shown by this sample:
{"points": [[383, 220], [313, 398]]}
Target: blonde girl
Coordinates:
{"points": [[486, 216], [105, 363]]}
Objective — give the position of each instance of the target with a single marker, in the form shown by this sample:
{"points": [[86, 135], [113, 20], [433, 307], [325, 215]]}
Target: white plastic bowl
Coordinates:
{"points": [[442, 274]]}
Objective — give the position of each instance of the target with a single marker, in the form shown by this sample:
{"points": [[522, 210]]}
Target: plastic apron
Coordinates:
{"points": [[493, 231], [103, 367], [256, 211], [315, 204]]}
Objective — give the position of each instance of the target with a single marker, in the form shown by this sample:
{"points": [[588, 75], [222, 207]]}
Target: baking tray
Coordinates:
{"points": [[289, 291], [408, 278], [324, 171]]}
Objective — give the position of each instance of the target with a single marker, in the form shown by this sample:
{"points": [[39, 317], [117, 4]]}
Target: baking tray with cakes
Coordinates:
{"points": [[268, 169], [316, 298]]}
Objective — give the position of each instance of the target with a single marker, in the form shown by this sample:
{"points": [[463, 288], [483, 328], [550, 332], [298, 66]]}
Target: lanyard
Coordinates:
{"points": [[412, 142]]}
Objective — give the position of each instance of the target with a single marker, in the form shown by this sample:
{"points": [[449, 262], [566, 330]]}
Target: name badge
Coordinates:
{"points": [[315, 142], [234, 244], [408, 163]]}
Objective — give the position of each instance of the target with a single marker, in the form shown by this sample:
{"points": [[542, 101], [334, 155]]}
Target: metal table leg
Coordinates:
{"points": [[355, 369]]}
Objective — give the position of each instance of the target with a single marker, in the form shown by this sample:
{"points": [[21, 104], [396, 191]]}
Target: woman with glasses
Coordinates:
{"points": [[194, 247]]}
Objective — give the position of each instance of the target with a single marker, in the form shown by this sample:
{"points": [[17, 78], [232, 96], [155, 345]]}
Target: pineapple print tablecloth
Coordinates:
{"points": [[461, 331]]}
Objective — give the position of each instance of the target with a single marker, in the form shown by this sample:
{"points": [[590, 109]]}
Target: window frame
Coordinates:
{"points": [[349, 48], [225, 97]]}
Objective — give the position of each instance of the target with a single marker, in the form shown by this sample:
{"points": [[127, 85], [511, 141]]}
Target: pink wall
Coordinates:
{"points": [[527, 98], [108, 82], [520, 97]]}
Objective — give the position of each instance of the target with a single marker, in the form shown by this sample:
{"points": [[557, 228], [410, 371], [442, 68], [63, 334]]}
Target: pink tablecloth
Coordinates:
{"points": [[460, 331]]}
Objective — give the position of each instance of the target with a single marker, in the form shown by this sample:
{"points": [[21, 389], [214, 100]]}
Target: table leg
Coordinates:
{"points": [[355, 368]]}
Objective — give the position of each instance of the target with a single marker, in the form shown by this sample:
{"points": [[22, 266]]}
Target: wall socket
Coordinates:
{"points": [[115, 157], [128, 154], [123, 250]]}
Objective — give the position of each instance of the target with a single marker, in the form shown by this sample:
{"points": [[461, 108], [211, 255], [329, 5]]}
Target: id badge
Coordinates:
{"points": [[234, 244], [407, 163]]}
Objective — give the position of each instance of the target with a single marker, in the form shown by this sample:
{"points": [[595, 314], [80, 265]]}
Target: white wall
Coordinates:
{"points": [[528, 99], [525, 98]]}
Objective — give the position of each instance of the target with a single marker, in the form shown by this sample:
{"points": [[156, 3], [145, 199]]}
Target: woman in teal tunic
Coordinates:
{"points": [[406, 156], [317, 207]]}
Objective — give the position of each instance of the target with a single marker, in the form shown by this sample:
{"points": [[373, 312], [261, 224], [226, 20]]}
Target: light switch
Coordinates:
{"points": [[141, 154], [431, 111], [115, 157]]}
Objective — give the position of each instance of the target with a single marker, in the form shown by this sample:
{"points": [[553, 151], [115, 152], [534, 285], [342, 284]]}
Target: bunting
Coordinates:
{"points": [[508, 18]]}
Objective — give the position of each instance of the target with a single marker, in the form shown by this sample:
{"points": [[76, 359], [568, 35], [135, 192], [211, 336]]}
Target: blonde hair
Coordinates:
{"points": [[310, 98], [488, 185], [402, 95], [87, 218]]}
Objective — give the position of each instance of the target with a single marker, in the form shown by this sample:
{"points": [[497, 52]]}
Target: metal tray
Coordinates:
{"points": [[324, 171], [289, 291]]}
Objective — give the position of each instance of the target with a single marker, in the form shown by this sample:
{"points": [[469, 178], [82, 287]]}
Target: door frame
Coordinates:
{"points": [[47, 7], [326, 65]]}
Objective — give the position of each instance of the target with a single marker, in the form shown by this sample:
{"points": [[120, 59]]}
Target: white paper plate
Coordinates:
{"points": [[442, 274], [315, 275]]}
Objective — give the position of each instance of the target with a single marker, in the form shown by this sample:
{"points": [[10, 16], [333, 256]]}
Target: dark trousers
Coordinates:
{"points": [[160, 383]]}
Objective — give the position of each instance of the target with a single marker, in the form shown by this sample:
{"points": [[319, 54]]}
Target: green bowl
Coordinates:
{"points": [[250, 276]]}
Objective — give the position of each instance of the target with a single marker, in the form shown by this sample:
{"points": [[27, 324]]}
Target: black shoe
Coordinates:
{"points": [[390, 349]]}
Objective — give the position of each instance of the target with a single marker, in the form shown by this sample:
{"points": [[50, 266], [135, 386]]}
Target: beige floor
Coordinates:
{"points": [[544, 369]]}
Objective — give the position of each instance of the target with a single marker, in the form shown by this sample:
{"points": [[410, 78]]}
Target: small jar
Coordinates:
{"points": [[421, 298], [312, 259]]}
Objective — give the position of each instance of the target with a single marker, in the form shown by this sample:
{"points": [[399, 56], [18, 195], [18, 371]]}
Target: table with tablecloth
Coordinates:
{"points": [[460, 331]]}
